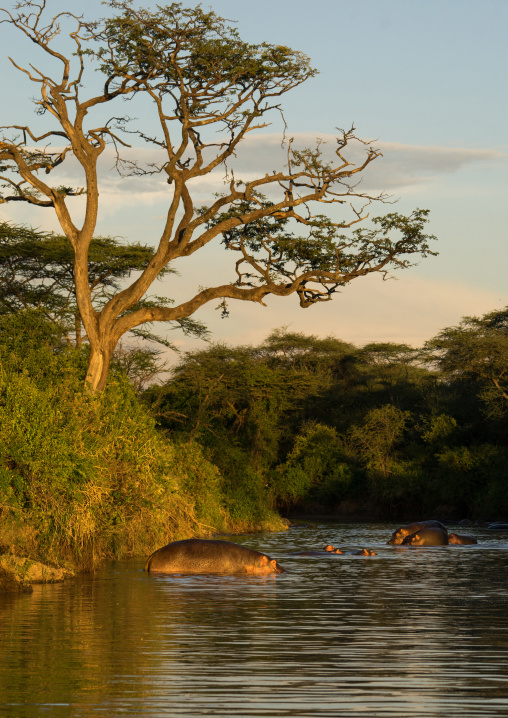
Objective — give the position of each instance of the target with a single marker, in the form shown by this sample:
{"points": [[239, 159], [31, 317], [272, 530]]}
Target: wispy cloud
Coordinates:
{"points": [[263, 153], [400, 166]]}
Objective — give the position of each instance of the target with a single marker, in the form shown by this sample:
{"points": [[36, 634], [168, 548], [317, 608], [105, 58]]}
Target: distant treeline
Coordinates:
{"points": [[308, 425]]}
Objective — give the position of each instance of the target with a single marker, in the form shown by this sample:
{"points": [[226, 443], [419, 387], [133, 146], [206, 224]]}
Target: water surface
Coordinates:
{"points": [[415, 632]]}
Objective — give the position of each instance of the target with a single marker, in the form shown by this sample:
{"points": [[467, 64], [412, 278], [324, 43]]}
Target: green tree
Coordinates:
{"points": [[316, 470], [207, 89], [377, 439], [476, 349], [37, 272]]}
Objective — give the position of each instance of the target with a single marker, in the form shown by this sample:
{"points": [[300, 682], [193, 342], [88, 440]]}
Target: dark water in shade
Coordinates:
{"points": [[409, 632]]}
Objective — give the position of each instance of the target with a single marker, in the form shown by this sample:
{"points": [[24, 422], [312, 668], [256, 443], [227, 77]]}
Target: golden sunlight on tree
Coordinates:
{"points": [[206, 90]]}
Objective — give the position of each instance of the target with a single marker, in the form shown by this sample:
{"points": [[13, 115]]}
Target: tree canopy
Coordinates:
{"points": [[319, 425], [206, 89], [477, 348], [37, 272]]}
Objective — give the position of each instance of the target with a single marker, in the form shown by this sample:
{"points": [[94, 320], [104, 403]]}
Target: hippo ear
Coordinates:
{"points": [[273, 563], [263, 560]]}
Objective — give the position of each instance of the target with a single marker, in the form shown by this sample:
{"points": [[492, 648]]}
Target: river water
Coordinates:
{"points": [[414, 632]]}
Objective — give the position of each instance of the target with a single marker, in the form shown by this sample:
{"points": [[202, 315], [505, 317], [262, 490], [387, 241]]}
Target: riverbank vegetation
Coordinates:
{"points": [[240, 436], [85, 476]]}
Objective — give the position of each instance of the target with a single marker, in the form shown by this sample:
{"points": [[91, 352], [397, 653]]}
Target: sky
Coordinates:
{"points": [[426, 79]]}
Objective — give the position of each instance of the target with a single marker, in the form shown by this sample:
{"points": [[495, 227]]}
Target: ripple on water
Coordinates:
{"points": [[419, 632]]}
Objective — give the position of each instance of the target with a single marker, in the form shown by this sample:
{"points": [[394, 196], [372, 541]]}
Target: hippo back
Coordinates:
{"points": [[401, 533], [429, 536], [210, 556]]}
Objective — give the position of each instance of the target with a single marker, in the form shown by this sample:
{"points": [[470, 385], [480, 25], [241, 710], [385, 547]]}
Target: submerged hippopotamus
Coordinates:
{"points": [[461, 539], [428, 536], [360, 552], [326, 551], [331, 549], [400, 534], [210, 556]]}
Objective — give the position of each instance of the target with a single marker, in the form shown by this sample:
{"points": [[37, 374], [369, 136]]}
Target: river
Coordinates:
{"points": [[418, 632]]}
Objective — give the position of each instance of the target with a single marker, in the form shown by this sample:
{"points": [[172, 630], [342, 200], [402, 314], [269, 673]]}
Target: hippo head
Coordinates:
{"points": [[277, 567], [266, 565], [398, 536]]}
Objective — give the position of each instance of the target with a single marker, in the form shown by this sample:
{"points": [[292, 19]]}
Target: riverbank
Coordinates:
{"points": [[18, 574], [86, 477]]}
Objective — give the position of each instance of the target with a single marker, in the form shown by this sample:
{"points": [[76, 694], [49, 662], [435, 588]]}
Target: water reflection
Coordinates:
{"points": [[418, 632]]}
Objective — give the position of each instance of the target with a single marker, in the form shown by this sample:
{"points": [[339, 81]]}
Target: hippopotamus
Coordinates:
{"points": [[428, 536], [331, 549], [400, 534], [210, 556], [461, 539], [326, 551], [358, 552]]}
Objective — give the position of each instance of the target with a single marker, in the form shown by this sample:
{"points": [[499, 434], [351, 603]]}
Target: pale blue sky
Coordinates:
{"points": [[425, 77]]}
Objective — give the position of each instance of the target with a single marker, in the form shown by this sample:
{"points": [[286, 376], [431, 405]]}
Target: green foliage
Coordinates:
{"points": [[375, 441], [439, 430], [477, 349], [189, 49], [37, 270], [272, 252], [473, 474], [316, 469], [296, 423], [84, 476], [305, 423]]}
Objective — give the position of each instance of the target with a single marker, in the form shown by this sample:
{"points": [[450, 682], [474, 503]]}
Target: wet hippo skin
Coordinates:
{"points": [[210, 556], [461, 539], [400, 534], [429, 536]]}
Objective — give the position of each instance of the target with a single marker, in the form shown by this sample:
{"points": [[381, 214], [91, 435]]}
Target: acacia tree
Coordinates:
{"points": [[207, 89], [37, 272], [476, 349]]}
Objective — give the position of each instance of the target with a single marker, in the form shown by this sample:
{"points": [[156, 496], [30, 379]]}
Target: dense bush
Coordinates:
{"points": [[305, 424], [84, 476]]}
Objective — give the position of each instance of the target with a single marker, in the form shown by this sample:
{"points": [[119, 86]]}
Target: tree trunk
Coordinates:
{"points": [[98, 368]]}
